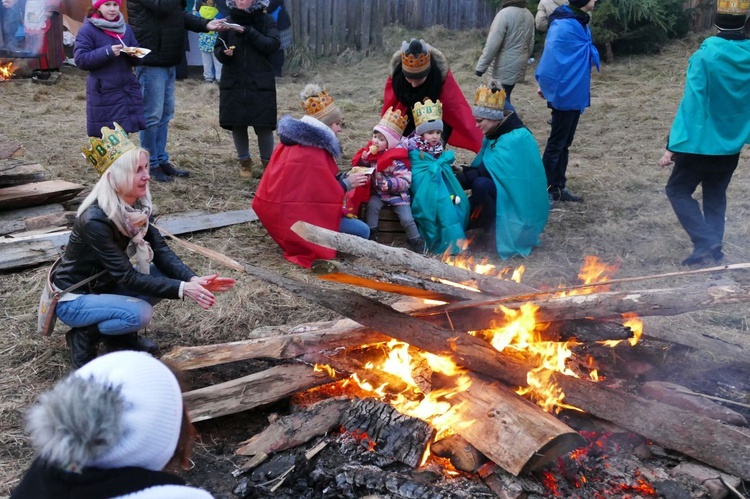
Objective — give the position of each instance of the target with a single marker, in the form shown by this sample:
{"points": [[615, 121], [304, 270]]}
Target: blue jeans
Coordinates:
{"points": [[705, 228], [119, 313], [354, 227], [157, 86], [555, 158]]}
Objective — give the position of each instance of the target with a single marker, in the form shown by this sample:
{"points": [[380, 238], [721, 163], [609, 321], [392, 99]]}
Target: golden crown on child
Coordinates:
{"points": [[395, 120], [427, 111], [737, 7], [104, 151], [318, 106], [490, 99]]}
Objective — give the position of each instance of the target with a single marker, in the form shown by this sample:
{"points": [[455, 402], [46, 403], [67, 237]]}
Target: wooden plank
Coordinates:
{"points": [[252, 391], [16, 252], [312, 25], [327, 28], [294, 14], [50, 191], [16, 172], [338, 25], [15, 220]]}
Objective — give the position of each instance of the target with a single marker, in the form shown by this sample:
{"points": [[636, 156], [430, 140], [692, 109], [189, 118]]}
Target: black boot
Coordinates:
{"points": [[373, 234], [170, 170], [416, 244], [82, 344], [129, 341]]}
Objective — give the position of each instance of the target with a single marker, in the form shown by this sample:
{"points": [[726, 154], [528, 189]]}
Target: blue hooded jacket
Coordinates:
{"points": [[564, 72]]}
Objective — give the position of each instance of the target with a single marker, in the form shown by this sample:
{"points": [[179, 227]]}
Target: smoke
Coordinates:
{"points": [[22, 27]]}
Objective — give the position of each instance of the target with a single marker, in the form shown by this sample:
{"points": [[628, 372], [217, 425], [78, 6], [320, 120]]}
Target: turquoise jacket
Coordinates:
{"points": [[434, 190], [515, 165], [714, 115]]}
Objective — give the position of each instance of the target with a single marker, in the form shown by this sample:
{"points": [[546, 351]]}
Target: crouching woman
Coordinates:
{"points": [[112, 230]]}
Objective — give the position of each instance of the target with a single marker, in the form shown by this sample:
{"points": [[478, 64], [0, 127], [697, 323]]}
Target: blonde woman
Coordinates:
{"points": [[111, 231]]}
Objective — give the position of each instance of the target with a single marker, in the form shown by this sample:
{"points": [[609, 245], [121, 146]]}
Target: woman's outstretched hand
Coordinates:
{"points": [[199, 289], [218, 284]]}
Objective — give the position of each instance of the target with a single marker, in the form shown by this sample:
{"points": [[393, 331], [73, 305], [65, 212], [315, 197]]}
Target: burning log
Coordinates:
{"points": [[466, 316], [378, 280], [391, 435], [704, 439], [251, 391], [402, 258], [315, 338]]}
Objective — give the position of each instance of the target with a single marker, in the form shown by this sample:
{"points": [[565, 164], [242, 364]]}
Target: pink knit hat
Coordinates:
{"points": [[98, 3]]}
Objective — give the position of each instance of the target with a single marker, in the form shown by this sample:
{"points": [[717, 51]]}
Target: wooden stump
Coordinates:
{"points": [[389, 227]]}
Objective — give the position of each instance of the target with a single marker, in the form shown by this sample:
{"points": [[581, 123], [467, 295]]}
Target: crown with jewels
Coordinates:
{"points": [[319, 106], [415, 64], [395, 121], [104, 151], [734, 7], [427, 111], [490, 98]]}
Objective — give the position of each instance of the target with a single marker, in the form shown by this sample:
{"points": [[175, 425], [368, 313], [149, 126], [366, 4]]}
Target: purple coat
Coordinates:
{"points": [[112, 90]]}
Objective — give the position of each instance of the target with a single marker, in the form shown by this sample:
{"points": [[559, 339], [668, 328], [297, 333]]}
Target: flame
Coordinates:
{"points": [[593, 271], [636, 325], [319, 368], [6, 71]]}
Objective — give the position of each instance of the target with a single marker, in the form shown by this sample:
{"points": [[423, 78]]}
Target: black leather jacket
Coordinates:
{"points": [[95, 244]]}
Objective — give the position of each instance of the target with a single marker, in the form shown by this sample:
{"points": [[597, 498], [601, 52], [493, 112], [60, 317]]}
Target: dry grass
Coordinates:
{"points": [[626, 217]]}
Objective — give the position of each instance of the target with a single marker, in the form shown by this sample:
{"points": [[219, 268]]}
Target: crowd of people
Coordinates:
{"points": [[117, 266]]}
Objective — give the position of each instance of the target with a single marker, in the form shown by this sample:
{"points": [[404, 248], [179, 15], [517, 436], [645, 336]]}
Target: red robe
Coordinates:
{"points": [[456, 113], [299, 184]]}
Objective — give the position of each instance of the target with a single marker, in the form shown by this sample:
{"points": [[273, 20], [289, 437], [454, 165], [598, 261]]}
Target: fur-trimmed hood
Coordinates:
{"points": [[436, 57], [308, 131]]}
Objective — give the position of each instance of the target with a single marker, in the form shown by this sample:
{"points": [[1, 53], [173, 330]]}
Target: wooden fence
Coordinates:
{"points": [[329, 27]]}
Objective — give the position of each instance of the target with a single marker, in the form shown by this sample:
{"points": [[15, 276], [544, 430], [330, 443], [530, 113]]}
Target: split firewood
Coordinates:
{"points": [[293, 430], [405, 259], [707, 440], [251, 391], [364, 277], [462, 455], [679, 396], [36, 193], [507, 486]]}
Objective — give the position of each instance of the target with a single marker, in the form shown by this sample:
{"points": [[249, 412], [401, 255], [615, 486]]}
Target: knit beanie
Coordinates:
{"points": [[121, 409], [319, 104], [415, 59], [579, 3], [98, 3]]}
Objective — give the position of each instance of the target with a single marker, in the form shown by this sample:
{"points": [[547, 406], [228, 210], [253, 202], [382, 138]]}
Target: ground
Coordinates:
{"points": [[626, 218]]}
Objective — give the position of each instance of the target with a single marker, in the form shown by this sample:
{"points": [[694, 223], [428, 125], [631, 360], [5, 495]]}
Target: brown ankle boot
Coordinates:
{"points": [[246, 168], [258, 172]]}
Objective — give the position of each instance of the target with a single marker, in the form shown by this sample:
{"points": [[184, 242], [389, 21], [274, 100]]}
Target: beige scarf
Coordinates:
{"points": [[136, 226]]}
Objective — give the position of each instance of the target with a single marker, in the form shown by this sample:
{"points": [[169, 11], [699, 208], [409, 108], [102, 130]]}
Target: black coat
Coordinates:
{"points": [[96, 244], [248, 82], [160, 25]]}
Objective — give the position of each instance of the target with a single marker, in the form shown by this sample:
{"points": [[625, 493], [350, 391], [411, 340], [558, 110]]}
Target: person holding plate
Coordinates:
{"points": [[113, 228], [113, 93]]}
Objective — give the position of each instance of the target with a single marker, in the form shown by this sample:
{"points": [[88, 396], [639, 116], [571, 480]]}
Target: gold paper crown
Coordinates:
{"points": [[413, 64], [429, 111], [735, 7], [106, 150], [320, 105], [490, 99], [394, 120]]}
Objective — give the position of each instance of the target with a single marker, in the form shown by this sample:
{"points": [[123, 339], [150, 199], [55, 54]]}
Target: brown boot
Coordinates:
{"points": [[258, 172], [246, 168]]}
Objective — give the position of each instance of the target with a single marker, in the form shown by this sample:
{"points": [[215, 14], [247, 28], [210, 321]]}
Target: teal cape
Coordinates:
{"points": [[434, 189], [515, 165], [714, 115]]}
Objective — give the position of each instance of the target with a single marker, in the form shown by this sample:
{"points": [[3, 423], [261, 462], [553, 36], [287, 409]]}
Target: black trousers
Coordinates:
{"points": [[713, 173], [555, 158]]}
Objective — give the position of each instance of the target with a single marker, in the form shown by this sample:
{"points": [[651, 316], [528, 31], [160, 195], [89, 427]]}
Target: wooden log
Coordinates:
{"points": [[607, 305], [36, 193], [251, 391], [509, 430], [403, 258], [396, 436], [329, 270], [343, 333], [297, 428], [704, 439], [16, 172]]}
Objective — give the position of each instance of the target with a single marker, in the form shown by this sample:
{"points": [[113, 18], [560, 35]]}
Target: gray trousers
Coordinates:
{"points": [[404, 216]]}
